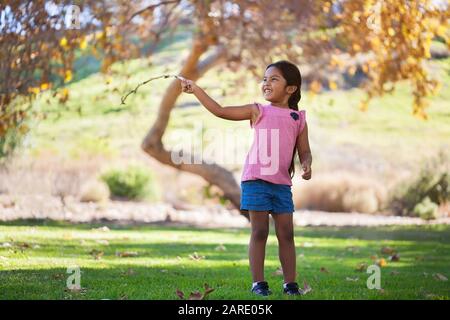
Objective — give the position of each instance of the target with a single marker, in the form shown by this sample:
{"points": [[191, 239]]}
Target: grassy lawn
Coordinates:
{"points": [[34, 257]]}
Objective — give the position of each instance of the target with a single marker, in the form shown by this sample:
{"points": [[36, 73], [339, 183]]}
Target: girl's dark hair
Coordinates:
{"points": [[292, 75]]}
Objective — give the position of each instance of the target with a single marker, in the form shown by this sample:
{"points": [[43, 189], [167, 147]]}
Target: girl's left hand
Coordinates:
{"points": [[306, 170]]}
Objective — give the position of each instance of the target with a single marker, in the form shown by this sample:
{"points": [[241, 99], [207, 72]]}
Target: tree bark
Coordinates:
{"points": [[152, 144]]}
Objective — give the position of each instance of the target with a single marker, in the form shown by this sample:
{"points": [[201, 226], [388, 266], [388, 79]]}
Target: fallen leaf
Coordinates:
{"points": [[440, 277], [127, 254], [6, 245], [195, 296], [101, 229], [129, 272], [97, 254], [387, 250], [394, 257], [196, 257], [352, 279], [58, 276], [394, 272], [208, 290], [362, 266], [382, 262], [220, 247], [306, 245], [374, 257], [352, 249], [306, 287], [324, 270], [278, 272], [180, 294]]}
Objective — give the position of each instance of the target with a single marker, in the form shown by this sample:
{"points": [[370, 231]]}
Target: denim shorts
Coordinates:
{"points": [[261, 195]]}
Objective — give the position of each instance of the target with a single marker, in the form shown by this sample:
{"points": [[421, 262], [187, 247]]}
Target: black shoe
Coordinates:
{"points": [[292, 289], [262, 289]]}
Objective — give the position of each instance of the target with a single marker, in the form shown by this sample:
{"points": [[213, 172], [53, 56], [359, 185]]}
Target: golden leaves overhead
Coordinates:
{"points": [[399, 34]]}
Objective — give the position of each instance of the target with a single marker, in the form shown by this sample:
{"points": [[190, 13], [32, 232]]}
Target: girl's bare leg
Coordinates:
{"points": [[257, 248], [284, 228]]}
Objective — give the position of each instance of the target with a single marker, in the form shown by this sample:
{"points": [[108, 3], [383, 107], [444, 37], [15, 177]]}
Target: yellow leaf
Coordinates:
{"points": [[315, 86], [351, 71], [382, 262], [83, 44], [44, 86], [391, 32], [34, 90], [333, 85], [440, 31], [68, 76], [63, 42]]}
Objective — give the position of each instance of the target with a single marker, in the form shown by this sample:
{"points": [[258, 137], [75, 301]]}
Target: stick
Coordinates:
{"points": [[165, 76]]}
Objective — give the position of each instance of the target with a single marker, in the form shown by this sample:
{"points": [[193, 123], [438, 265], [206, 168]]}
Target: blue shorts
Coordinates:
{"points": [[260, 195]]}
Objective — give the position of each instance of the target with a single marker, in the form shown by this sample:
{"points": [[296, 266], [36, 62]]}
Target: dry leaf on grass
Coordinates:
{"points": [[127, 254], [352, 279], [362, 266], [196, 295], [387, 250], [306, 287], [196, 257], [220, 247], [382, 262], [324, 270], [97, 254], [394, 257], [440, 277], [278, 272]]}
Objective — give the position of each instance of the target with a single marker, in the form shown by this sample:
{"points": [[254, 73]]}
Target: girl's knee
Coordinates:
{"points": [[285, 235], [260, 234]]}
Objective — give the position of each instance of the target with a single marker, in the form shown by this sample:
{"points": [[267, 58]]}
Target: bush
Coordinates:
{"points": [[133, 183], [432, 182], [94, 191], [426, 209]]}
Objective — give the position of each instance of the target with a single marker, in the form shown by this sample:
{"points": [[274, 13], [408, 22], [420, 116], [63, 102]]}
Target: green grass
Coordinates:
{"points": [[163, 264]]}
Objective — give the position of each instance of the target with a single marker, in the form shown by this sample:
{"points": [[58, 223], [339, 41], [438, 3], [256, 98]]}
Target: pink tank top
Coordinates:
{"points": [[274, 140]]}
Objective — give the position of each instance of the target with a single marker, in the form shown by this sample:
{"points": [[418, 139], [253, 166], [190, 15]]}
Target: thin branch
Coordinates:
{"points": [[165, 76], [151, 7]]}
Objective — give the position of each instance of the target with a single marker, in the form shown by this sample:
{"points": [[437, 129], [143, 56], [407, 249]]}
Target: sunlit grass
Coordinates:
{"points": [[164, 263]]}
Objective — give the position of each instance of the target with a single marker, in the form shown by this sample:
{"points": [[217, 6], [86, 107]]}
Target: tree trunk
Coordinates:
{"points": [[152, 144]]}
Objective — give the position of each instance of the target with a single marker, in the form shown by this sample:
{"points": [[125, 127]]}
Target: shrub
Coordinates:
{"points": [[432, 182], [426, 209], [94, 191], [133, 183]]}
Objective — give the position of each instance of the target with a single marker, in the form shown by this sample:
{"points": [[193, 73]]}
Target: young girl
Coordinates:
{"points": [[280, 128]]}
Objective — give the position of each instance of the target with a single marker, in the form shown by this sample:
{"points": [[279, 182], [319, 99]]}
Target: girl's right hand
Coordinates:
{"points": [[188, 86]]}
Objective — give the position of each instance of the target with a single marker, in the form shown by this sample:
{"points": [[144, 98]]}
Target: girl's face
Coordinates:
{"points": [[274, 87]]}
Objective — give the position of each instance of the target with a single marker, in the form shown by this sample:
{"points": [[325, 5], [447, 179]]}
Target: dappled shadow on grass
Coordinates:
{"points": [[326, 258], [425, 232]]}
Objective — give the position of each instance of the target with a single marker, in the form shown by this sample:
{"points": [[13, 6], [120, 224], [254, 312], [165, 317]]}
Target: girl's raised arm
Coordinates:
{"points": [[244, 112]]}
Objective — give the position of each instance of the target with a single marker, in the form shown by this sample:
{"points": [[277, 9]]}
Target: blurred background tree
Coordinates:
{"points": [[39, 41]]}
